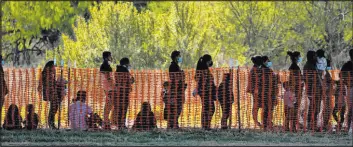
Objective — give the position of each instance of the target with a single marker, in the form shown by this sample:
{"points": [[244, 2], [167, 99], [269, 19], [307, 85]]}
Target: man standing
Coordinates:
{"points": [[123, 82], [175, 96]]}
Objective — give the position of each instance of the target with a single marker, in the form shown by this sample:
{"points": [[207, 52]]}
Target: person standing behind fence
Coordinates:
{"points": [[268, 92], [175, 96], [328, 86], [3, 88], [206, 89], [254, 80], [123, 82], [347, 76], [295, 86], [53, 91], [107, 84], [13, 119], [226, 98], [313, 84]]}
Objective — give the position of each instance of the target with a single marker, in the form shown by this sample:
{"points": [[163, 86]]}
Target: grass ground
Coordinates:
{"points": [[170, 138]]}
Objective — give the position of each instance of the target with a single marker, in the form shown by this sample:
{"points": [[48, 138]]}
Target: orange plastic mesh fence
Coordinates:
{"points": [[86, 98]]}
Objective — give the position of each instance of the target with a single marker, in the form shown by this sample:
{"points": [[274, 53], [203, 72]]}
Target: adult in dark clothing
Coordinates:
{"points": [[226, 98], [340, 103], [176, 94], [268, 92], [3, 88], [253, 87], [145, 119], [313, 85], [107, 83], [347, 76], [123, 82], [206, 88], [13, 119], [295, 85], [53, 91], [32, 118]]}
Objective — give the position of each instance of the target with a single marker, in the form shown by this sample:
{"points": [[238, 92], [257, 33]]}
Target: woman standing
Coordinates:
{"points": [[206, 89]]}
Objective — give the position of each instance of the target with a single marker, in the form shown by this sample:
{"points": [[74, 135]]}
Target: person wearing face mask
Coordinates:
{"points": [[254, 86], [176, 94], [206, 89], [107, 84], [295, 85], [321, 63], [313, 85], [268, 92], [123, 82]]}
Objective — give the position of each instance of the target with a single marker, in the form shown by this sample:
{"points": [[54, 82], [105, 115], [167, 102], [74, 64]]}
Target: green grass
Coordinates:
{"points": [[192, 137]]}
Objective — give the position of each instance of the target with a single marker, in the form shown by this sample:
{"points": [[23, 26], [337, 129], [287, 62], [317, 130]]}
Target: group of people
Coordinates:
{"points": [[319, 86], [263, 85]]}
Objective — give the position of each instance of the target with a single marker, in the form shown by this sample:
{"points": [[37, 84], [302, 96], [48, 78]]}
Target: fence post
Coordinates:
{"points": [[238, 89]]}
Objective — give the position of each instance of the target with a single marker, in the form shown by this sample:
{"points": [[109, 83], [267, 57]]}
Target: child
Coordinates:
{"points": [[289, 109], [145, 119], [32, 119]]}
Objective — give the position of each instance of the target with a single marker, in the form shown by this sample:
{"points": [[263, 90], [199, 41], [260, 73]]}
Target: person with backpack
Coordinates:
{"points": [[32, 118], [206, 89]]}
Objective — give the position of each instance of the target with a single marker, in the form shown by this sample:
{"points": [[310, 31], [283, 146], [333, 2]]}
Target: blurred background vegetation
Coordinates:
{"points": [[77, 32]]}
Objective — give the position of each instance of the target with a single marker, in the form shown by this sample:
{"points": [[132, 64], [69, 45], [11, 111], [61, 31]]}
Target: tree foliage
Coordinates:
{"points": [[224, 29]]}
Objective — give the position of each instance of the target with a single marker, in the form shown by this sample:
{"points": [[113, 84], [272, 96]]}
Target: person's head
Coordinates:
{"points": [[176, 57], [311, 57], [351, 54], [125, 62], [30, 108], [12, 111], [257, 61], [295, 57], [107, 56], [81, 96], [146, 107], [49, 66], [266, 61], [204, 62], [320, 53]]}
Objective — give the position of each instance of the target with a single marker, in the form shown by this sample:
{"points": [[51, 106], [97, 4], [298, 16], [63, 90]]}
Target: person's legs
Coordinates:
{"points": [[54, 106], [287, 118], [225, 115], [107, 108]]}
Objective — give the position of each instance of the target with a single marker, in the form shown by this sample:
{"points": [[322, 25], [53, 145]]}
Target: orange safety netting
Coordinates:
{"points": [[147, 99]]}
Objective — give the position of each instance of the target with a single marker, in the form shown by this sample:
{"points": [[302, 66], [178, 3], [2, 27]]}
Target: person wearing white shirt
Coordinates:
{"points": [[79, 111]]}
